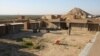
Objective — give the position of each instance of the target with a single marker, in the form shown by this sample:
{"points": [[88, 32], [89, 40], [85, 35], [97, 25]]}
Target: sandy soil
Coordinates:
{"points": [[69, 45]]}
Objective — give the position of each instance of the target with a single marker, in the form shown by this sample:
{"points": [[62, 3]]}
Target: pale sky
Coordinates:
{"points": [[38, 7]]}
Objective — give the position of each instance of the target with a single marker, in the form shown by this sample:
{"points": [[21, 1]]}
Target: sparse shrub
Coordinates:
{"points": [[38, 46], [30, 43], [27, 44]]}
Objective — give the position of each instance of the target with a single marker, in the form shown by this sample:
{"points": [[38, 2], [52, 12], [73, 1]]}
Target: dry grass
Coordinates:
{"points": [[45, 45], [70, 45]]}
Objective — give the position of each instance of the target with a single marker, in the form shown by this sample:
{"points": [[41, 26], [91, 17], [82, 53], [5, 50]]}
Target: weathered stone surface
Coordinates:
{"points": [[77, 13], [51, 17]]}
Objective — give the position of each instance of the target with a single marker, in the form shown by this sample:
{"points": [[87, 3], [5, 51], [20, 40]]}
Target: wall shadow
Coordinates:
{"points": [[22, 35], [7, 49]]}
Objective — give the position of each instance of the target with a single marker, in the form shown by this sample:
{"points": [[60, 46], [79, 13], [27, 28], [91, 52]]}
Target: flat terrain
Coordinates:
{"points": [[11, 17], [69, 45]]}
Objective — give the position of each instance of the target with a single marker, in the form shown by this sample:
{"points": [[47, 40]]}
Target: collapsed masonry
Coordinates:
{"points": [[54, 21], [77, 13], [76, 18]]}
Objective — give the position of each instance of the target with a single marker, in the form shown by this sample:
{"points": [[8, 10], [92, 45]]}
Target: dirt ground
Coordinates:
{"points": [[70, 45]]}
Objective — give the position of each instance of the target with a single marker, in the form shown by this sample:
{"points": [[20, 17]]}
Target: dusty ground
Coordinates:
{"points": [[70, 45]]}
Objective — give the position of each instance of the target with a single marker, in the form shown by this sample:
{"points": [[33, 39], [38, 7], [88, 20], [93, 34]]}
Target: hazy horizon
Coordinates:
{"points": [[43, 7]]}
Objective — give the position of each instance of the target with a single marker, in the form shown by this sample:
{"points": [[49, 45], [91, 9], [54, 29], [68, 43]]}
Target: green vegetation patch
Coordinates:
{"points": [[32, 43]]}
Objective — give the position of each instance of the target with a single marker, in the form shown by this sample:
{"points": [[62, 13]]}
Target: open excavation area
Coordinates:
{"points": [[55, 43], [49, 28]]}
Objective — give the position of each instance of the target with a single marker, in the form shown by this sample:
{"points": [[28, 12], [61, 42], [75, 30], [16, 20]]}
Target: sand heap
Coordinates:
{"points": [[77, 13]]}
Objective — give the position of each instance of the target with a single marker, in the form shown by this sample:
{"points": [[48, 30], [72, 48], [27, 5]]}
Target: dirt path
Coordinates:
{"points": [[95, 49]]}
